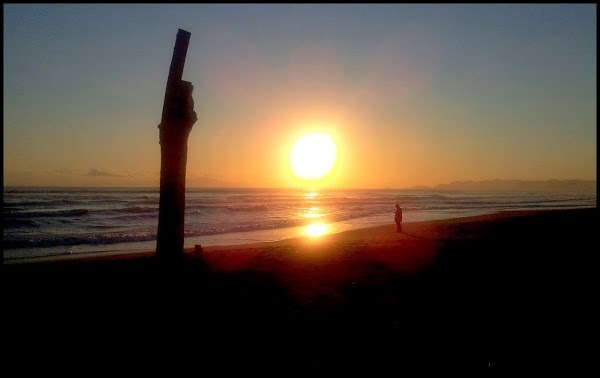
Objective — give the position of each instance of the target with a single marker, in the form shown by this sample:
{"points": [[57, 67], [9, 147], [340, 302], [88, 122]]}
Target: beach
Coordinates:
{"points": [[499, 291]]}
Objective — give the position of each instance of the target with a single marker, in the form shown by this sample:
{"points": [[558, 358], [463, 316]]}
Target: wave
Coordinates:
{"points": [[228, 207], [137, 209], [124, 237], [80, 240], [11, 209], [77, 212], [50, 213], [152, 210], [10, 223], [248, 208], [78, 190], [40, 203], [279, 223], [147, 197], [46, 203]]}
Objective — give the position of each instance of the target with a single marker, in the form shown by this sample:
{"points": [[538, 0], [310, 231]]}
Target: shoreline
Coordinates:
{"points": [[83, 224], [236, 238], [128, 254]]}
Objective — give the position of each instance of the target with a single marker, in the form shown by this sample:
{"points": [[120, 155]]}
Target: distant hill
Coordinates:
{"points": [[580, 186]]}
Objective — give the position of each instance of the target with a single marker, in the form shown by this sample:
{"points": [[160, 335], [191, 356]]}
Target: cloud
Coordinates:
{"points": [[98, 173], [67, 171], [91, 172]]}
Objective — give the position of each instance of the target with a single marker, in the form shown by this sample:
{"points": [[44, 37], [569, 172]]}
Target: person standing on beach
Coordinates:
{"points": [[398, 218]]}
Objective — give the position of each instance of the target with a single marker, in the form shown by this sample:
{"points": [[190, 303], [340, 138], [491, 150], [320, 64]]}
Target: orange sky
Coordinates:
{"points": [[412, 96]]}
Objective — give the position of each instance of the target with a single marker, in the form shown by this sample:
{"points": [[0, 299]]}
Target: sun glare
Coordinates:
{"points": [[313, 156], [315, 230]]}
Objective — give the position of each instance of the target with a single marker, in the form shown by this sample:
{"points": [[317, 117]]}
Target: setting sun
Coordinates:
{"points": [[313, 156]]}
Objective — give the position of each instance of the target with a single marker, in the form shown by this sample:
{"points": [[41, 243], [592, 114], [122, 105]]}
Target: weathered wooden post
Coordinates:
{"points": [[178, 117]]}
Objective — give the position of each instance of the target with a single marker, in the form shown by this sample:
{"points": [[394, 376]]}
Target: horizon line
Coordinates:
{"points": [[292, 188]]}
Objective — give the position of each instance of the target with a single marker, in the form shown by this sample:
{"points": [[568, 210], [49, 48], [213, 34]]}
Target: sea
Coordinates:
{"points": [[47, 221]]}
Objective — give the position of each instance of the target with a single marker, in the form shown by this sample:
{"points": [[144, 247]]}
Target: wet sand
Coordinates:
{"points": [[505, 291]]}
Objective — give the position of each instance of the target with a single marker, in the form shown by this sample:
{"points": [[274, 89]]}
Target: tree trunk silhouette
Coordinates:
{"points": [[178, 118]]}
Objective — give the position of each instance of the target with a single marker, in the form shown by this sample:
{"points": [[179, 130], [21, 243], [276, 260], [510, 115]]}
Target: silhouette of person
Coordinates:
{"points": [[398, 218]]}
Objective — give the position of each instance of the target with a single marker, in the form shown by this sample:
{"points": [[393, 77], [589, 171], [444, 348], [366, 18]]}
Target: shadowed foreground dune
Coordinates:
{"points": [[502, 291]]}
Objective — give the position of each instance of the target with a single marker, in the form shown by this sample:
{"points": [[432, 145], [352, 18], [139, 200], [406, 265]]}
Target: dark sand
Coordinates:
{"points": [[508, 291]]}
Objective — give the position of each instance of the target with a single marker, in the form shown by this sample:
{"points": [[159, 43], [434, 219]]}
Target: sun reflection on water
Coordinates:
{"points": [[313, 212], [315, 230], [310, 195]]}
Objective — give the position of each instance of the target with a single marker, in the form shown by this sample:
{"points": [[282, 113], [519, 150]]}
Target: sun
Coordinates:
{"points": [[313, 156]]}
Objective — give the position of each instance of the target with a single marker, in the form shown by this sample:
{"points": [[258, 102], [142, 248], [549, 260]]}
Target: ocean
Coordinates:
{"points": [[58, 221]]}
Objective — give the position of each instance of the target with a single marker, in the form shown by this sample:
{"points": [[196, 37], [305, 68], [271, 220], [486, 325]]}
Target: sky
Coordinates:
{"points": [[411, 94]]}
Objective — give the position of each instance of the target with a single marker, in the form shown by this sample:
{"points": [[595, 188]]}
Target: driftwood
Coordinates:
{"points": [[178, 117]]}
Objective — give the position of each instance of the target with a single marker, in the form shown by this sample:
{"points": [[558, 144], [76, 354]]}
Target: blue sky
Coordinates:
{"points": [[464, 92]]}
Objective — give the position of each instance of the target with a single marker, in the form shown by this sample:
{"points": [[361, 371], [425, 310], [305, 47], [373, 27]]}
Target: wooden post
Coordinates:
{"points": [[178, 117]]}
